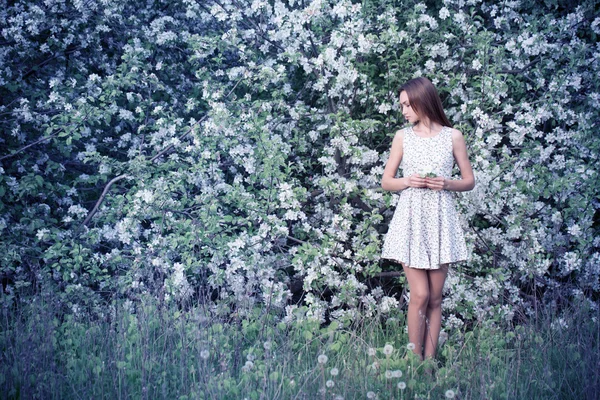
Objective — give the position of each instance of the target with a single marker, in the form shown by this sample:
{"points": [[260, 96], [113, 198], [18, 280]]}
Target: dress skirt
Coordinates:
{"points": [[425, 230]]}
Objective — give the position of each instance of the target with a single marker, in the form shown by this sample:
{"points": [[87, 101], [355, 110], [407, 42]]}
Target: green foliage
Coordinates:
{"points": [[148, 349]]}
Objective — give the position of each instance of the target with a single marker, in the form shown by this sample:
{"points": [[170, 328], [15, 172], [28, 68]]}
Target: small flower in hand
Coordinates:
{"points": [[427, 172]]}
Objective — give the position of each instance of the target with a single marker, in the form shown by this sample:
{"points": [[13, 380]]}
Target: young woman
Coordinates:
{"points": [[425, 234]]}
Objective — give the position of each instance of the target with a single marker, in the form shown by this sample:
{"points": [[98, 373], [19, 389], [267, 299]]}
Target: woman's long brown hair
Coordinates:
{"points": [[424, 99]]}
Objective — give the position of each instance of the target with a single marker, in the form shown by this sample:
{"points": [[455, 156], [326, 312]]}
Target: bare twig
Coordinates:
{"points": [[101, 199], [30, 145]]}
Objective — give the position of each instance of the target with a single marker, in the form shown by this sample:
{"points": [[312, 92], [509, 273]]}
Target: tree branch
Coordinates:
{"points": [[30, 145], [521, 70], [101, 199], [293, 239]]}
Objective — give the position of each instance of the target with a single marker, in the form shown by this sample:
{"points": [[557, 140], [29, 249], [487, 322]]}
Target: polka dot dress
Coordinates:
{"points": [[425, 230]]}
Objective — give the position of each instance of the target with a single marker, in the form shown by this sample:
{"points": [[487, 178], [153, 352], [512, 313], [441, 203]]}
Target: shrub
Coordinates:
{"points": [[202, 148]]}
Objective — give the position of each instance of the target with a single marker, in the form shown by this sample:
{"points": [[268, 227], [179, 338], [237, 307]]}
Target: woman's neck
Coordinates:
{"points": [[428, 127]]}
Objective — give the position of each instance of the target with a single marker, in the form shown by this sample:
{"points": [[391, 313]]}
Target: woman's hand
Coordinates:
{"points": [[416, 181], [437, 183]]}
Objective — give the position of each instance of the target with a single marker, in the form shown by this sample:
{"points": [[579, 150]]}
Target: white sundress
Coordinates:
{"points": [[425, 230]]}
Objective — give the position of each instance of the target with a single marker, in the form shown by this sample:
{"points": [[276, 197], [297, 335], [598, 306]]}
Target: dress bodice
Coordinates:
{"points": [[427, 154]]}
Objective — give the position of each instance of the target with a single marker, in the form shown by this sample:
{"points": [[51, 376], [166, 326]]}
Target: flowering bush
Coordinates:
{"points": [[234, 151]]}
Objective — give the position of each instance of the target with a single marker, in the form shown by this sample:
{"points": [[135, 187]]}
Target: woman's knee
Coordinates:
{"points": [[434, 302], [419, 298]]}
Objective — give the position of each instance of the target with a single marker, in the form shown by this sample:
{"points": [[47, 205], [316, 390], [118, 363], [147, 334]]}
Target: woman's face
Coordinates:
{"points": [[409, 114]]}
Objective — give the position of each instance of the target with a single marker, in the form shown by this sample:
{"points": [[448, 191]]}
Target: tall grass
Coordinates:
{"points": [[148, 350]]}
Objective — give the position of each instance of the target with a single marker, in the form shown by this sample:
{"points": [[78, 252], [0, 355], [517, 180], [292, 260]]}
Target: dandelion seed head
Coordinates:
{"points": [[371, 352], [334, 372], [401, 385], [410, 346], [388, 349], [330, 383], [389, 374], [204, 354], [397, 373], [268, 345], [322, 359], [371, 395], [449, 394], [248, 366]]}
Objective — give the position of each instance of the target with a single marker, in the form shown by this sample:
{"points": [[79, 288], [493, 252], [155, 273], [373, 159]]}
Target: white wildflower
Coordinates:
{"points": [[388, 349]]}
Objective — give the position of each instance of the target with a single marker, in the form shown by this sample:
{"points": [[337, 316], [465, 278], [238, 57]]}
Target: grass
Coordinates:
{"points": [[149, 351]]}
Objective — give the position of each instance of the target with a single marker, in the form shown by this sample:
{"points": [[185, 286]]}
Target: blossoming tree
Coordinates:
{"points": [[233, 150]]}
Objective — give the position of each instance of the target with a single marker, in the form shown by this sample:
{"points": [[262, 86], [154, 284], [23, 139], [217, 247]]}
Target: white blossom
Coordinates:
{"points": [[444, 13]]}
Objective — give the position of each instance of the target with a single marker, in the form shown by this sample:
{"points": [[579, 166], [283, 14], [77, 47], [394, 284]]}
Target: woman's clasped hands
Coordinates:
{"points": [[433, 183]]}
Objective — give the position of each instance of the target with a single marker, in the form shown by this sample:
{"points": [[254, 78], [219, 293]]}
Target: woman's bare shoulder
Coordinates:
{"points": [[399, 135], [456, 134]]}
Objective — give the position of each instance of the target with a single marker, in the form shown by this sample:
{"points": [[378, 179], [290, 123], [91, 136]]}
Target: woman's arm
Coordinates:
{"points": [[467, 181], [389, 180]]}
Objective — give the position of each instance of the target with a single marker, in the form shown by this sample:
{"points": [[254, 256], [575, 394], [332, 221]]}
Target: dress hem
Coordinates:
{"points": [[425, 268]]}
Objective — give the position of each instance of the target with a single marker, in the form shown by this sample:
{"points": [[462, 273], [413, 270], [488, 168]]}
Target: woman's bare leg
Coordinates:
{"points": [[436, 281], [418, 283]]}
